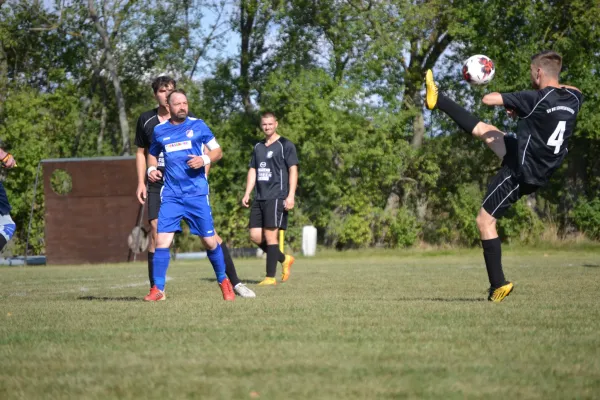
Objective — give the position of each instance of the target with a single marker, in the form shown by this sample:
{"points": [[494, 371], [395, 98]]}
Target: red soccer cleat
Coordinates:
{"points": [[227, 289], [155, 295]]}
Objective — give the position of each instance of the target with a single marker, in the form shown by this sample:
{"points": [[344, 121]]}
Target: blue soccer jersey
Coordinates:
{"points": [[177, 143]]}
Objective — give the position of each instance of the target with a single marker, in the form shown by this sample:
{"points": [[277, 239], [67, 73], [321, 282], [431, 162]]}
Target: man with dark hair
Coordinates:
{"points": [[7, 225], [274, 172], [182, 141], [162, 87], [546, 119]]}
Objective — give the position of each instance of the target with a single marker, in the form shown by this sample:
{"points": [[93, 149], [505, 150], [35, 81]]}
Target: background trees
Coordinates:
{"points": [[345, 79]]}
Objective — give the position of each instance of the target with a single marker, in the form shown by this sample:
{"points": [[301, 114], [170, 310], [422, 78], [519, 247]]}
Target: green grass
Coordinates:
{"points": [[373, 324]]}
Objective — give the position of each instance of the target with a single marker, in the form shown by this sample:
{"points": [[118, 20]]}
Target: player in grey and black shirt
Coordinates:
{"points": [[274, 172], [546, 119]]}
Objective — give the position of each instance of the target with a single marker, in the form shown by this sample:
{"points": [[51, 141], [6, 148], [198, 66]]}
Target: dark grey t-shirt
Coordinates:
{"points": [[272, 165]]}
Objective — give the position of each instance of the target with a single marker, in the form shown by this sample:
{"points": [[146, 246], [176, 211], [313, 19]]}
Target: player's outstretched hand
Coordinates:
{"points": [[246, 200], [155, 176], [288, 203], [195, 162], [141, 193], [9, 161]]}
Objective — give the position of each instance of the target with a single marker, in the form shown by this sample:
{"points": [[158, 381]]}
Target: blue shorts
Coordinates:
{"points": [[194, 210]]}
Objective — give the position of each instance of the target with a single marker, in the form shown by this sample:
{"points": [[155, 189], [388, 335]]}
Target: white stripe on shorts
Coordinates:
{"points": [[504, 199], [500, 184]]}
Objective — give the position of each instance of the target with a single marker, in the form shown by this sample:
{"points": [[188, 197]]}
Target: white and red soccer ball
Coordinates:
{"points": [[478, 70]]}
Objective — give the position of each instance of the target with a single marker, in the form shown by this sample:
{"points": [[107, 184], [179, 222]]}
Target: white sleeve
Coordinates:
{"points": [[212, 144]]}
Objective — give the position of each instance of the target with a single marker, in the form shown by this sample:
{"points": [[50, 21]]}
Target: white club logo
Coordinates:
{"points": [[189, 133], [269, 154]]}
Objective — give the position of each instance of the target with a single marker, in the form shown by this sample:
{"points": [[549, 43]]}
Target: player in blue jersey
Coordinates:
{"points": [[162, 87], [182, 139], [7, 225]]}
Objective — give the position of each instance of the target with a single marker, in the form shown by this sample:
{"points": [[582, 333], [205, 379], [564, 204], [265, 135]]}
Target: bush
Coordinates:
{"points": [[522, 223], [404, 229], [586, 216]]}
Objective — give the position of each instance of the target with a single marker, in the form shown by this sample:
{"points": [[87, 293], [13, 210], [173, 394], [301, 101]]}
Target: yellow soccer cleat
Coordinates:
{"points": [[287, 267], [431, 90], [268, 282], [498, 294]]}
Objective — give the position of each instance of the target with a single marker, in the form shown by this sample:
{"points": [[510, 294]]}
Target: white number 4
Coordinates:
{"points": [[556, 139]]}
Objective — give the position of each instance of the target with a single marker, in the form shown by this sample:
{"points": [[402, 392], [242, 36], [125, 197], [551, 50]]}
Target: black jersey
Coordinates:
{"points": [[272, 165], [546, 122], [143, 138]]}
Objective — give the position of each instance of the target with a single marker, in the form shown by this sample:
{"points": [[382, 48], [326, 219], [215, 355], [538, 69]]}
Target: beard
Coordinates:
{"points": [[180, 116]]}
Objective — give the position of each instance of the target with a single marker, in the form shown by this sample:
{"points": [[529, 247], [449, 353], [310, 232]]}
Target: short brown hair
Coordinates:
{"points": [[179, 91], [162, 81], [548, 60], [268, 114]]}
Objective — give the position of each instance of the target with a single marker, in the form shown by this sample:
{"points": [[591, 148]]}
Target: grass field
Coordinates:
{"points": [[372, 324]]}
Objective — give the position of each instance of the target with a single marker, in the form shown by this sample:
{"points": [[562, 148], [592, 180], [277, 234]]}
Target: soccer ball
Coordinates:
{"points": [[478, 70]]}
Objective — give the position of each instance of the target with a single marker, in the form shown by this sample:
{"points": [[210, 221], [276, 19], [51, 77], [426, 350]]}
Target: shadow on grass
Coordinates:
{"points": [[450, 300], [591, 265], [129, 298], [244, 281]]}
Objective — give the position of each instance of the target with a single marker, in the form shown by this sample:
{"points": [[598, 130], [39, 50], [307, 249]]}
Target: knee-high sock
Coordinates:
{"points": [[280, 256], [229, 265], [465, 120], [492, 253], [161, 264], [151, 267], [218, 263], [272, 258]]}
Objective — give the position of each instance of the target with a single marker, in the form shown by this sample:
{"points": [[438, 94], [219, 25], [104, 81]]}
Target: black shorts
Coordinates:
{"points": [[268, 214], [153, 202], [504, 190]]}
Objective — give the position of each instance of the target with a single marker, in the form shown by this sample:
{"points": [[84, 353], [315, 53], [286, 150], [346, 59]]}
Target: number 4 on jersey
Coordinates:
{"points": [[556, 139]]}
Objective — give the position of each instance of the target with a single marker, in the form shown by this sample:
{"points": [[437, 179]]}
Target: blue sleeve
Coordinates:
{"points": [[207, 134], [155, 147]]}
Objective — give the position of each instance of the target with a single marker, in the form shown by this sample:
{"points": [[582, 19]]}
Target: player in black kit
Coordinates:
{"points": [[546, 119], [162, 87], [273, 170]]}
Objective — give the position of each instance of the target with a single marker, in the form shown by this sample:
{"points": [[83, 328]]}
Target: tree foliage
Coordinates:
{"points": [[344, 78]]}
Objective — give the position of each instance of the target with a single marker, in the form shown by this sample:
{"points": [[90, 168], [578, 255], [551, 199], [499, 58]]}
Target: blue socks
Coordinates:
{"points": [[161, 264], [217, 260]]}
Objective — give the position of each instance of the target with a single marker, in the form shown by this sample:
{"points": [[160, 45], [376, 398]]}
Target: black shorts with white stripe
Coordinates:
{"points": [[268, 214], [503, 191]]}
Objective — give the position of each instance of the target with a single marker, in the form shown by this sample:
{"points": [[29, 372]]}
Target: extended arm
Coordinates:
{"points": [[493, 99]]}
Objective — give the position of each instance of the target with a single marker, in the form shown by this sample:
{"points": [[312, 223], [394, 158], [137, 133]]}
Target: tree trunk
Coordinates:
{"points": [[100, 139], [112, 68], [247, 15], [3, 75]]}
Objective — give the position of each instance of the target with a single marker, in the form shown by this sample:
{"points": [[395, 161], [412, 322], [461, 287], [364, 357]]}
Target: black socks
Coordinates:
{"points": [[272, 258], [151, 268], [229, 266], [465, 120], [492, 253]]}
